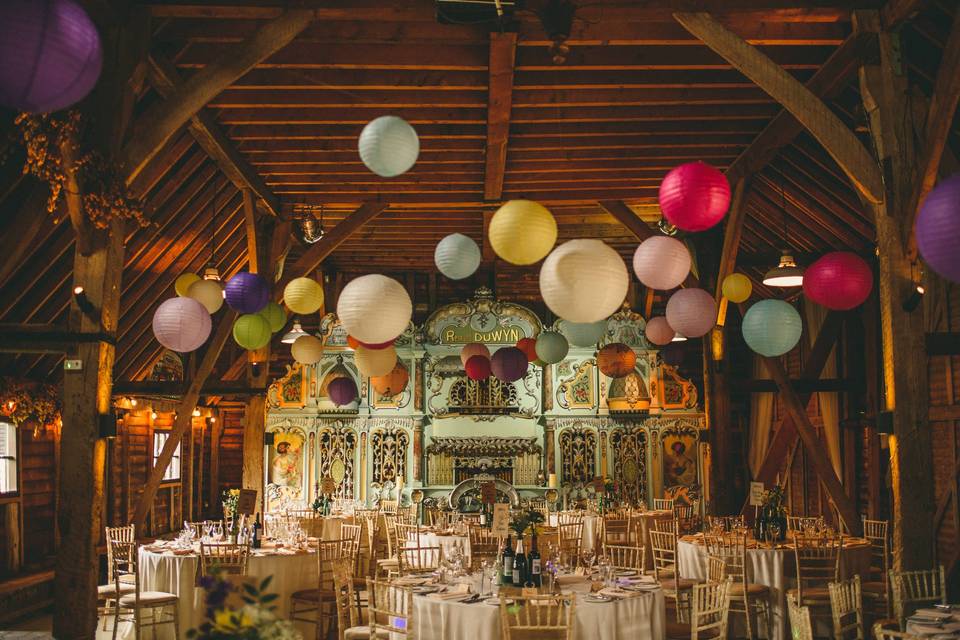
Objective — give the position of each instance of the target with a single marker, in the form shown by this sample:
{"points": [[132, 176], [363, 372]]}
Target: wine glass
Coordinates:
{"points": [[773, 531], [218, 531], [589, 557]]}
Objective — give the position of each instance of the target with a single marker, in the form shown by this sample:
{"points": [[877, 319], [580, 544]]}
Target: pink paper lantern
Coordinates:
{"points": [[474, 349], [692, 312], [659, 331], [694, 196], [181, 324], [839, 280], [509, 364], [661, 262]]}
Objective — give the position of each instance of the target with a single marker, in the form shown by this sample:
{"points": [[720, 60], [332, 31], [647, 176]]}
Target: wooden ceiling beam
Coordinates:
{"points": [[208, 134], [503, 55], [163, 120], [628, 218], [251, 231]]}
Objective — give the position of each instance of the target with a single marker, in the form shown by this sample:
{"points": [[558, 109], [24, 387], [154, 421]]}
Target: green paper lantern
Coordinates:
{"points": [[552, 347], [275, 316], [251, 331]]}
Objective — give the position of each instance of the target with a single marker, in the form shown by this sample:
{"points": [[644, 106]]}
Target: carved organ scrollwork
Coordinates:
{"points": [[389, 453], [482, 396], [336, 448], [630, 462], [577, 454]]}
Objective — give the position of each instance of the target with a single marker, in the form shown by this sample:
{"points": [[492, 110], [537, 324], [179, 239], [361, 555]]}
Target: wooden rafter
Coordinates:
{"points": [[503, 54], [841, 143], [162, 121], [250, 230], [628, 218]]}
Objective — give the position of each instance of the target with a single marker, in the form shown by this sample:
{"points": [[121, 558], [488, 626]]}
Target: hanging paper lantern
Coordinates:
{"points": [[307, 349], [938, 228], [275, 316], [247, 292], [659, 331], [374, 308], [303, 296], [251, 331], [389, 146], [737, 288], [616, 360], [551, 347], [584, 280], [692, 312], [661, 262], [522, 232], [51, 54], [375, 362], [478, 368], [529, 348], [509, 364], [392, 383], [209, 293], [694, 196], [353, 343], [772, 327], [583, 334], [673, 354], [457, 256], [181, 324], [342, 391], [183, 282], [473, 349], [839, 280]]}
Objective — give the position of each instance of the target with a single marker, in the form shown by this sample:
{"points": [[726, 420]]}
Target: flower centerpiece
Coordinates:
{"points": [[773, 516], [524, 519], [230, 500], [240, 610]]}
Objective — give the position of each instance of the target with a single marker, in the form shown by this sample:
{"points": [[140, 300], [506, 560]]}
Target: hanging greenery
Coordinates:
{"points": [[105, 194], [26, 401]]}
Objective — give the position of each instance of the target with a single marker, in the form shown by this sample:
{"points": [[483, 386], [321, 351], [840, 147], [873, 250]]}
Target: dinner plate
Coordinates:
{"points": [[623, 573], [496, 601], [597, 599]]}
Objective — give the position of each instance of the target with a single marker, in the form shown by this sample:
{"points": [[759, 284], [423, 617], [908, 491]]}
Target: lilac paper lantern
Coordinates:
{"points": [[342, 391], [247, 292], [181, 324], [509, 364], [938, 228], [692, 312], [659, 331], [51, 54]]}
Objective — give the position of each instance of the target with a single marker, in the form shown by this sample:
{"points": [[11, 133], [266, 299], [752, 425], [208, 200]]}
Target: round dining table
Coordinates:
{"points": [[447, 542], [774, 567]]}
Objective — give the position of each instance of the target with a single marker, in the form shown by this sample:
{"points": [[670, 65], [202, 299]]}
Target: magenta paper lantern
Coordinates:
{"points": [[692, 312], [509, 364], [477, 367], [659, 331], [474, 349], [661, 262], [342, 391], [694, 196], [181, 324], [50, 52], [247, 292], [839, 280], [938, 228]]}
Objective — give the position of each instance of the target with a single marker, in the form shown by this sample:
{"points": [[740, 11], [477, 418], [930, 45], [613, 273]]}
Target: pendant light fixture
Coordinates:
{"points": [[211, 272], [291, 336], [786, 273], [679, 337]]}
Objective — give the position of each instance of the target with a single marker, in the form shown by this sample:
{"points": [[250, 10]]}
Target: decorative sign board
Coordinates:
{"points": [[247, 502], [328, 487], [501, 520], [488, 492], [756, 494]]}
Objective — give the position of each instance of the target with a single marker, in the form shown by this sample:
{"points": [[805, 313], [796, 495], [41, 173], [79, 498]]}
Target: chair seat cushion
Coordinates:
{"points": [[677, 585], [363, 633], [110, 590], [678, 630], [313, 595], [149, 599], [753, 589], [812, 594]]}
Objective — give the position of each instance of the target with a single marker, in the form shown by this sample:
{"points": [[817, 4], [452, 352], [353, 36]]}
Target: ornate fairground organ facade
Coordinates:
{"points": [[645, 431]]}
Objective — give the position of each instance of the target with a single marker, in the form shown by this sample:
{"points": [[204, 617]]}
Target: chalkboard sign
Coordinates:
{"points": [[247, 502]]}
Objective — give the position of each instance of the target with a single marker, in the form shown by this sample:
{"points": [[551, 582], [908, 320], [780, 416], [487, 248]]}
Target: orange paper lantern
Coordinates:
{"points": [[529, 347], [616, 360], [392, 383]]}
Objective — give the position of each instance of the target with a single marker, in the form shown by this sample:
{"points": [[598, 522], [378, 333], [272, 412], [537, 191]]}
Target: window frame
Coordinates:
{"points": [[174, 471], [16, 459]]}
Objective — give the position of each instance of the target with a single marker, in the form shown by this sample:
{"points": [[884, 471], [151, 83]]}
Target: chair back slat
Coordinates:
{"points": [[547, 616], [390, 609], [846, 607], [224, 557], [627, 557]]}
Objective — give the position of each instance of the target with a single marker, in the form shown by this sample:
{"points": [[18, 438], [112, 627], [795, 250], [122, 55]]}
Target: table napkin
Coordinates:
{"points": [[454, 593], [616, 592]]}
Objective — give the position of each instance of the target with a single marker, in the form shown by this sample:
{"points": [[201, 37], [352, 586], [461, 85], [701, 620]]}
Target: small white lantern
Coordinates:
{"points": [[457, 256], [584, 280], [181, 324], [389, 146], [374, 309]]}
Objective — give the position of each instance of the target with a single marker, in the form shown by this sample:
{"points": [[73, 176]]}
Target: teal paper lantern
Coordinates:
{"points": [[457, 256], [772, 327], [551, 347], [275, 316], [583, 334]]}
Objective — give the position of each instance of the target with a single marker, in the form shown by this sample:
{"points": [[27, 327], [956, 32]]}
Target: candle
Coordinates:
{"points": [[552, 482]]}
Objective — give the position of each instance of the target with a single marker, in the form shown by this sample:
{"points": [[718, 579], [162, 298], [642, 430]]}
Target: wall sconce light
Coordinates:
{"points": [[255, 369], [82, 300], [916, 294], [196, 413]]}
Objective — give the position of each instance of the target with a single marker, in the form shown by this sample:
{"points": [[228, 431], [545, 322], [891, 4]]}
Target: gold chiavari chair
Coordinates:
{"points": [[615, 531], [409, 514], [709, 612], [722, 523], [107, 593], [570, 537], [876, 587], [130, 607], [224, 557], [663, 504], [390, 610], [912, 589], [846, 606], [716, 569], [746, 597], [800, 524], [666, 525], [406, 533], [666, 571], [318, 606], [418, 559], [388, 506], [540, 505], [570, 517], [685, 518], [483, 545], [547, 616], [800, 626], [817, 565], [348, 618], [627, 557]]}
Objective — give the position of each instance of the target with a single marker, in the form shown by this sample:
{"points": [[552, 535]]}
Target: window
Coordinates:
{"points": [[8, 458], [173, 469]]}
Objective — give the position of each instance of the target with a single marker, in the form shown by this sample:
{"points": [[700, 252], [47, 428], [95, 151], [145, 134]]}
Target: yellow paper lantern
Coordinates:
{"points": [[375, 362], [522, 232], [737, 288], [183, 282], [209, 293], [303, 295], [307, 349]]}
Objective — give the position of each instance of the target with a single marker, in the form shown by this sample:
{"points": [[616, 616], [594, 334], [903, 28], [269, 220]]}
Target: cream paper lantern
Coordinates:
{"points": [[457, 256], [375, 362], [584, 280], [374, 309], [183, 282], [388, 146], [661, 262], [522, 232], [303, 296], [692, 312], [307, 349], [209, 293]]}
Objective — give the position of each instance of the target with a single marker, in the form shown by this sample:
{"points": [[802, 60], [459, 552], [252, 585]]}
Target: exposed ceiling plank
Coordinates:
{"points": [[163, 120], [503, 54], [733, 229], [628, 218], [250, 228]]}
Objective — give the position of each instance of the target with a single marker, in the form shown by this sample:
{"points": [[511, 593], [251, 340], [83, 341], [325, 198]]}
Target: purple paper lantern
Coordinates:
{"points": [[50, 52], [938, 228], [342, 391], [509, 364], [247, 292], [181, 324]]}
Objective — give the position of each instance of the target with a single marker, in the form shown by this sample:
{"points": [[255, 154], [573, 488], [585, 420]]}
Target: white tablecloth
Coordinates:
{"points": [[639, 618], [588, 541], [776, 569], [446, 543]]}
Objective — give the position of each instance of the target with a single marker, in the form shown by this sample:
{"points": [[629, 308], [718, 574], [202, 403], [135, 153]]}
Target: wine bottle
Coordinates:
{"points": [[519, 565], [507, 563], [536, 573], [257, 541], [483, 515]]}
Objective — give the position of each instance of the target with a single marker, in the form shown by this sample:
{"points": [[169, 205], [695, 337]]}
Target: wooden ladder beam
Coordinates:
{"points": [[503, 55]]}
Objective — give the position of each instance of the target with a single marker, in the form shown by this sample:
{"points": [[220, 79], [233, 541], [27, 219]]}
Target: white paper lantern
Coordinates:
{"points": [[375, 362], [307, 349], [457, 256], [661, 262], [209, 293], [374, 309], [585, 334], [181, 324], [692, 312], [388, 146], [584, 280]]}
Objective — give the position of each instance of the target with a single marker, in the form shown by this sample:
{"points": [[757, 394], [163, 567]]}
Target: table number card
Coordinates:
{"points": [[501, 520], [756, 494], [247, 502]]}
